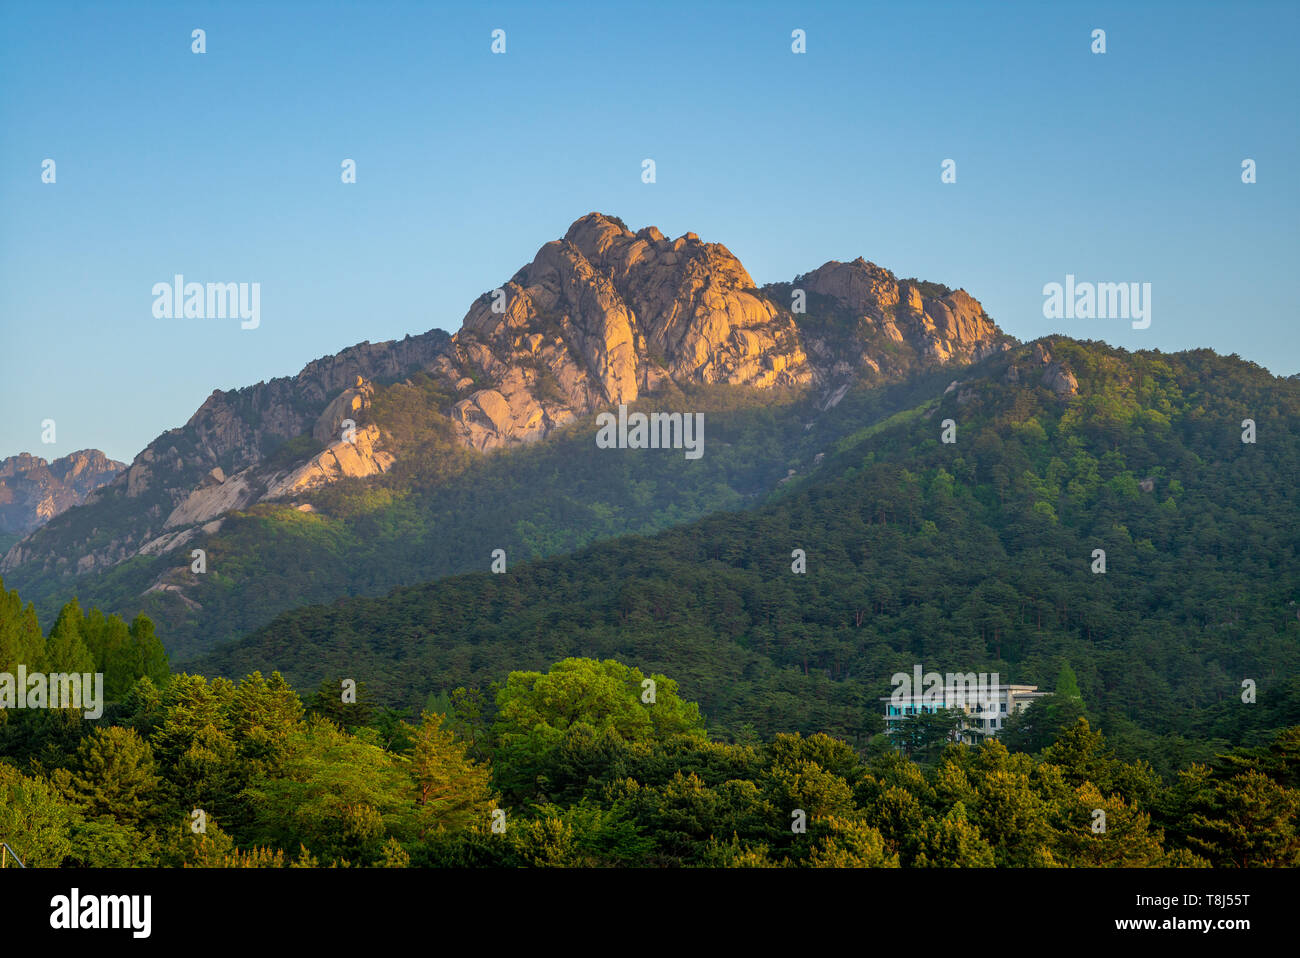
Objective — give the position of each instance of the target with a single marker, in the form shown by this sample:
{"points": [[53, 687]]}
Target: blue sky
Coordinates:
{"points": [[224, 167]]}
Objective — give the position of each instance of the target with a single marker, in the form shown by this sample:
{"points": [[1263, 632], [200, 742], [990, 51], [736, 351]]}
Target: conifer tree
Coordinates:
{"points": [[21, 641], [65, 650]]}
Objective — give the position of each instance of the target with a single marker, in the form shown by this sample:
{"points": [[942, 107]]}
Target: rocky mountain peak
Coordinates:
{"points": [[606, 315], [943, 325], [33, 491]]}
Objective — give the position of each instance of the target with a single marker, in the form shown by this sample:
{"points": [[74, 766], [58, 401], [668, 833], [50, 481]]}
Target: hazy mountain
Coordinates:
{"points": [[34, 491]]}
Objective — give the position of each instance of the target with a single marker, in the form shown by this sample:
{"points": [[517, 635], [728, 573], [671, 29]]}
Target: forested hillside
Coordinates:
{"points": [[575, 767], [443, 509], [977, 555]]}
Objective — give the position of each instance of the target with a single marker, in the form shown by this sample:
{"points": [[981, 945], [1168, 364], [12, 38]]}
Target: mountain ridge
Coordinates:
{"points": [[34, 490], [599, 317]]}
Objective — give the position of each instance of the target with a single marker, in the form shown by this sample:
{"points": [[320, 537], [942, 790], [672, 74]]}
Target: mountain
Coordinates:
{"points": [[972, 556], [231, 452], [600, 318], [34, 491]]}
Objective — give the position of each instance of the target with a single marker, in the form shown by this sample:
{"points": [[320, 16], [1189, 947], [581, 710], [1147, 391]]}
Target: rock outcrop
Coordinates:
{"points": [[1060, 380], [215, 496], [603, 316], [948, 327], [1055, 376], [353, 458], [348, 405]]}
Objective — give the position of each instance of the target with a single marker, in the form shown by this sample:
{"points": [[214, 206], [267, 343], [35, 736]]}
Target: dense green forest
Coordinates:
{"points": [[505, 718], [80, 642], [443, 509], [977, 555], [590, 764]]}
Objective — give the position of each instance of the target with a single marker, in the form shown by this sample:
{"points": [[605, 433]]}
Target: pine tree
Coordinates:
{"points": [[149, 658], [115, 776], [452, 790], [21, 641], [65, 650]]}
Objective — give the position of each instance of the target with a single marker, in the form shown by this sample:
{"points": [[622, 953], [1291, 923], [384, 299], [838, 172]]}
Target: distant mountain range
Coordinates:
{"points": [[34, 491]]}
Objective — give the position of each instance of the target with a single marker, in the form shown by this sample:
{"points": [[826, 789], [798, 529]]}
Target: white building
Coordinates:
{"points": [[1002, 700]]}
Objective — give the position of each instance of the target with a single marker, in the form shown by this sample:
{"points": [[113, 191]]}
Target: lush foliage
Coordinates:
{"points": [[80, 642], [579, 769], [1175, 674]]}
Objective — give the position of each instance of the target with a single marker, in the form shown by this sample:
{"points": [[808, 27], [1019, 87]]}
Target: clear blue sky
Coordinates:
{"points": [[225, 167]]}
